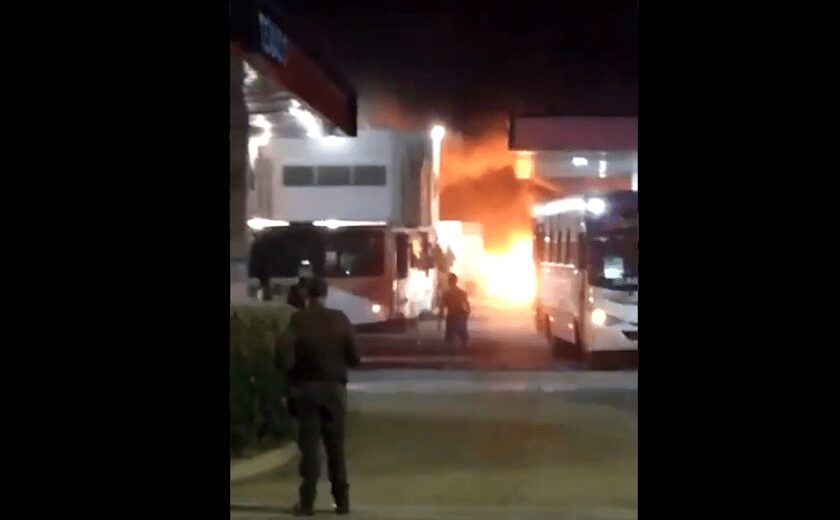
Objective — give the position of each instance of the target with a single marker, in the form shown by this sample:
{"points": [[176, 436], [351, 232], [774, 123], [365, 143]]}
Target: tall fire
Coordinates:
{"points": [[509, 275], [483, 182]]}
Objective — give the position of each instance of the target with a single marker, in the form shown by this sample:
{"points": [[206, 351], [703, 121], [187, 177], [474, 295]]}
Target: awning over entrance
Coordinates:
{"points": [[574, 133], [583, 152], [292, 87], [279, 87]]}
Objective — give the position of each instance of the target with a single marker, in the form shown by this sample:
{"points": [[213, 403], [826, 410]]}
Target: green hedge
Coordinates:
{"points": [[257, 386]]}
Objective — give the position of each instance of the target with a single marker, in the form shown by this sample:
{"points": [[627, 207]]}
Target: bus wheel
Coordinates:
{"points": [[560, 348], [549, 335], [580, 351], [545, 329]]}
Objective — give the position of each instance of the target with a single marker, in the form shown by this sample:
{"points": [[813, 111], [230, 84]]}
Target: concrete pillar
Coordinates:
{"points": [[238, 175], [238, 159]]}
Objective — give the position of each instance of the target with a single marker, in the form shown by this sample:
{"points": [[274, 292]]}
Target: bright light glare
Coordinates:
{"points": [[376, 308], [331, 224], [524, 166], [250, 74], [559, 206], [596, 206], [306, 118], [258, 224], [602, 168], [437, 134], [580, 161], [509, 276], [333, 141], [599, 317], [335, 223], [257, 141]]}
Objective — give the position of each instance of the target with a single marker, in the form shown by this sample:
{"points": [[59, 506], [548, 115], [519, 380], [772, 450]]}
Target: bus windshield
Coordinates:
{"points": [[613, 260], [291, 252], [354, 252]]}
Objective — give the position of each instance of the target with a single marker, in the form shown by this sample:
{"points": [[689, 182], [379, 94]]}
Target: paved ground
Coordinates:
{"points": [[448, 513], [561, 446], [424, 381], [500, 339], [507, 432]]}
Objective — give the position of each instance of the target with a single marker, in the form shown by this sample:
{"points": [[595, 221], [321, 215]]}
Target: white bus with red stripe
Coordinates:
{"points": [[355, 211]]}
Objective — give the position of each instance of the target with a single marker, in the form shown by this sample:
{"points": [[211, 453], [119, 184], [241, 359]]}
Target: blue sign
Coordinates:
{"points": [[272, 40]]}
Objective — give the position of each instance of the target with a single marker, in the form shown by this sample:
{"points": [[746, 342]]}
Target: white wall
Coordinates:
{"points": [[340, 202], [467, 243]]}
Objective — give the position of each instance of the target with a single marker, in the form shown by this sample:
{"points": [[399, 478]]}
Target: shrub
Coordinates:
{"points": [[257, 386]]}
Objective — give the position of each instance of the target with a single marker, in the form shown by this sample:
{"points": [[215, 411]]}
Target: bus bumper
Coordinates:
{"points": [[615, 338]]}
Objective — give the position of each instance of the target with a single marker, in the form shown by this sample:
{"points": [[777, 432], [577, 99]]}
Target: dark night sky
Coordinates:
{"points": [[465, 62]]}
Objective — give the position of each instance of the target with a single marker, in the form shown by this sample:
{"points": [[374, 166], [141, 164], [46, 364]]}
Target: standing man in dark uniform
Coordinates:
{"points": [[323, 350]]}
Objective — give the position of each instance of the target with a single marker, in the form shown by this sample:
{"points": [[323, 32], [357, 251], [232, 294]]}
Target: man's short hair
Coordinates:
{"points": [[453, 278], [317, 287]]}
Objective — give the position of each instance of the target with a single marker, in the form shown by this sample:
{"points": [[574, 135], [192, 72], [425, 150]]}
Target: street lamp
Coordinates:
{"points": [[306, 118], [255, 142], [437, 133]]}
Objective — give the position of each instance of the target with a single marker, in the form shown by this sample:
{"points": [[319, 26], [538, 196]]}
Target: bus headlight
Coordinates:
{"points": [[599, 317], [375, 308]]}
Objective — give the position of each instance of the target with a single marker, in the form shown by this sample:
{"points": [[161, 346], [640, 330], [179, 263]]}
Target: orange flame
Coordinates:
{"points": [[509, 276], [524, 167], [472, 157]]}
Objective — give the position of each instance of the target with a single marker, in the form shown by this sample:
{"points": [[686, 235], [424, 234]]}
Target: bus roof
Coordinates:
{"points": [[595, 204]]}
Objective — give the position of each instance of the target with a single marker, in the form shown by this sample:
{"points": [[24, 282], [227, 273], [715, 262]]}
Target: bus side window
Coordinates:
{"points": [[550, 243], [539, 243], [561, 251], [549, 246], [567, 257], [573, 245], [415, 253], [402, 245], [426, 261], [582, 250], [546, 240]]}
